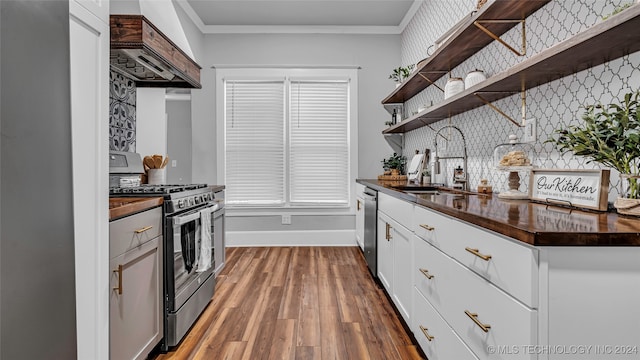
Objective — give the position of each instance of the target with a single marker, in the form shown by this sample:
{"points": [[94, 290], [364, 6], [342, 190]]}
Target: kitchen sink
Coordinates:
{"points": [[432, 190], [417, 188]]}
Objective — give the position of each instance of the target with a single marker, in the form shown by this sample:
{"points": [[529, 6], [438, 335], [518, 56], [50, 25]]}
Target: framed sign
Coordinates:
{"points": [[588, 189]]}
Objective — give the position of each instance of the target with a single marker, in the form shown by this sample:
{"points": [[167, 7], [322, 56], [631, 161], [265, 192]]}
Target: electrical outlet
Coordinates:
{"points": [[530, 131], [174, 163], [286, 219]]}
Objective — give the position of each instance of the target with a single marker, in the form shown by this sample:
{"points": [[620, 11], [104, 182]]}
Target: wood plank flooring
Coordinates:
{"points": [[312, 303]]}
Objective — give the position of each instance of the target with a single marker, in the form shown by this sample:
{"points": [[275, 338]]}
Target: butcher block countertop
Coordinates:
{"points": [[532, 223], [125, 206]]}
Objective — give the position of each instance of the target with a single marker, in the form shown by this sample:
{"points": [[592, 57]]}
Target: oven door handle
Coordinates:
{"points": [[181, 220]]}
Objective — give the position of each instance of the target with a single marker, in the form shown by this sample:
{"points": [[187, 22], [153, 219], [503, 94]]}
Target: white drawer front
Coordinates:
{"points": [[399, 210], [428, 225], [431, 274], [508, 322], [132, 231], [435, 337], [510, 266], [359, 189]]}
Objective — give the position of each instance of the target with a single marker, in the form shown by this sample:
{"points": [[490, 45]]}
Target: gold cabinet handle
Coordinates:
{"points": [[119, 272], [477, 253], [358, 205], [474, 317], [388, 232], [427, 227], [140, 231], [426, 334], [425, 272]]}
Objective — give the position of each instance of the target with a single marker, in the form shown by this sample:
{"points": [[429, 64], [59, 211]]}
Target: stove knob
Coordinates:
{"points": [[180, 204], [191, 201], [197, 199]]}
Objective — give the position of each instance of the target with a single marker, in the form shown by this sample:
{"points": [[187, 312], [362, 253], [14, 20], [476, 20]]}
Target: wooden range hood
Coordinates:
{"points": [[141, 51]]}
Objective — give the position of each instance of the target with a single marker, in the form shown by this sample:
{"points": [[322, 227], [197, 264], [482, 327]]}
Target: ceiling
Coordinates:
{"points": [[301, 16]]}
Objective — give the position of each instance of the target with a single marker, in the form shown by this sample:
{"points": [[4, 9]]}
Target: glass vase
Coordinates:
{"points": [[628, 202]]}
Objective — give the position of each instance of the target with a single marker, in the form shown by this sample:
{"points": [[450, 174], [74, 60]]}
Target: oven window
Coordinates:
{"points": [[186, 250]]}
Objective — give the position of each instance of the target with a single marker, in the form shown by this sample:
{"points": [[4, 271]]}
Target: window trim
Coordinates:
{"points": [[293, 73]]}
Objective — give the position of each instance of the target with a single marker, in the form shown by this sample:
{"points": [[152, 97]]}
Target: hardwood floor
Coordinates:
{"points": [[296, 303]]}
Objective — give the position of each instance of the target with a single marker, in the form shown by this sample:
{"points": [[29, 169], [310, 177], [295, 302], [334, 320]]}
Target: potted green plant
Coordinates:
{"points": [[395, 163], [610, 135], [400, 73]]}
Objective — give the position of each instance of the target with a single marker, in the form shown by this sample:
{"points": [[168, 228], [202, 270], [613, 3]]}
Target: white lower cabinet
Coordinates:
{"points": [[395, 261], [483, 316], [360, 222], [470, 293], [435, 337], [385, 252], [402, 269], [135, 299], [486, 317]]}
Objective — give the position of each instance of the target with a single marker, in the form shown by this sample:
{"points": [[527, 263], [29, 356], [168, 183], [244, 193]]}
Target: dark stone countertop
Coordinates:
{"points": [[530, 222]]}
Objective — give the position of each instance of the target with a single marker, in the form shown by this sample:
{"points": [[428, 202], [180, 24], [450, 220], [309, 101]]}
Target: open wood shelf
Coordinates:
{"points": [[603, 42], [463, 43]]}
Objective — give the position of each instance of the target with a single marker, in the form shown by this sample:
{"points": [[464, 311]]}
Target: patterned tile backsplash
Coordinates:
{"points": [[554, 105], [122, 113]]}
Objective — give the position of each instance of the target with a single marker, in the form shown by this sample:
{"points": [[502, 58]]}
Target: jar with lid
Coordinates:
{"points": [[455, 85], [513, 154], [474, 77], [513, 158]]}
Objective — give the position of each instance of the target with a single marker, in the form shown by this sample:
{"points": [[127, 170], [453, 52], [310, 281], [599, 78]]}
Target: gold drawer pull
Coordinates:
{"points": [[119, 272], [426, 334], [474, 317], [477, 253], [427, 227], [358, 205], [425, 272], [388, 232], [140, 231]]}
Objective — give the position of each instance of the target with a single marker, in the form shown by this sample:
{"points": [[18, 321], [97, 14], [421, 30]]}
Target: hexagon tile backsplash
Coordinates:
{"points": [[554, 105]]}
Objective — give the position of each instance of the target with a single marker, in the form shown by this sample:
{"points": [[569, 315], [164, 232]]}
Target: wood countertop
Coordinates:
{"points": [[125, 206], [532, 223]]}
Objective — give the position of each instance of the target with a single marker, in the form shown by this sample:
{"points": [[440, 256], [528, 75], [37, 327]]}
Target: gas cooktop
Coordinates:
{"points": [[149, 189]]}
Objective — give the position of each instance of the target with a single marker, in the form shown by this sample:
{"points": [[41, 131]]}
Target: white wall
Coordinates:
{"points": [[375, 54], [151, 122], [179, 141]]}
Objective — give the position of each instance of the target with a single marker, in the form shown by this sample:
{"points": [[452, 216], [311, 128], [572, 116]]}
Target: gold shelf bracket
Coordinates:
{"points": [[523, 52], [523, 98], [430, 81]]}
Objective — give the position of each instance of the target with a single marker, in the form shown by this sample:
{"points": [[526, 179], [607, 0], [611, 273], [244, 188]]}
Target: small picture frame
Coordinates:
{"points": [[585, 189]]}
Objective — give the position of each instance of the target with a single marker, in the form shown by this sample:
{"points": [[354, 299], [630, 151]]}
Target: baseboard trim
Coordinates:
{"points": [[291, 238]]}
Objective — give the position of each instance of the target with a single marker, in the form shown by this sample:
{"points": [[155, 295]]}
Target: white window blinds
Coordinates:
{"points": [[287, 142], [319, 142], [254, 144]]}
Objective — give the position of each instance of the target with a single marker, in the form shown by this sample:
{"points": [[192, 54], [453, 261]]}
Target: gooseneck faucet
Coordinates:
{"points": [[462, 181]]}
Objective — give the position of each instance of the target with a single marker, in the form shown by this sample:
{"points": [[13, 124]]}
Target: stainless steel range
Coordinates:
{"points": [[193, 249]]}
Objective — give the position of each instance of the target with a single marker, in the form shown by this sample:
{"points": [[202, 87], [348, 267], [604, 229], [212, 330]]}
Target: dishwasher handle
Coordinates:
{"points": [[369, 194]]}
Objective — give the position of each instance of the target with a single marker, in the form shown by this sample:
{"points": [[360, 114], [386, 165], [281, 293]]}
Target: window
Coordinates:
{"points": [[287, 140]]}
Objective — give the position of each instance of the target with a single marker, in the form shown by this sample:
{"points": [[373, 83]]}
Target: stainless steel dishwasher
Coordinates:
{"points": [[370, 229]]}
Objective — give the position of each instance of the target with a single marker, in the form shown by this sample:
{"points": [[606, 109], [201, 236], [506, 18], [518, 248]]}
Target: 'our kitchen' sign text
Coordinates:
{"points": [[579, 188]]}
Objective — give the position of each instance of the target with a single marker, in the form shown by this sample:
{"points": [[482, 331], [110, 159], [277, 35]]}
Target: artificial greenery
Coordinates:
{"points": [[610, 135], [401, 73], [395, 161], [618, 9]]}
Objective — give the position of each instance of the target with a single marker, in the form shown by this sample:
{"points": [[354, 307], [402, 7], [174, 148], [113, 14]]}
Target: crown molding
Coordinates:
{"points": [[299, 29]]}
